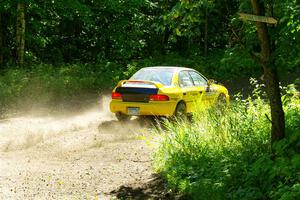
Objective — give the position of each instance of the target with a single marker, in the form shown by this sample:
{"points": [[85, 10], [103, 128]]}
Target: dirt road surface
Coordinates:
{"points": [[84, 156]]}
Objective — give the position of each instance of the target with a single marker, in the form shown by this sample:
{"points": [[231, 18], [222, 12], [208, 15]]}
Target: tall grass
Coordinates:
{"points": [[226, 153]]}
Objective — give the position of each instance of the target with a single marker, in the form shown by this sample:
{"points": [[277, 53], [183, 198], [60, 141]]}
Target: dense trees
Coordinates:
{"points": [[90, 31], [87, 31], [76, 31]]}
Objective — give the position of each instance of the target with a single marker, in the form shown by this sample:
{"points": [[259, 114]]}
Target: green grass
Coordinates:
{"points": [[226, 153]]}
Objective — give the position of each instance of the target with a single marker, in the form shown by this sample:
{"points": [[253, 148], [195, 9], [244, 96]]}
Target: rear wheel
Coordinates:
{"points": [[221, 104], [122, 117], [180, 111]]}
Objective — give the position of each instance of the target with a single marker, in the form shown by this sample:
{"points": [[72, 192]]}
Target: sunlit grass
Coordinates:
{"points": [[225, 153]]}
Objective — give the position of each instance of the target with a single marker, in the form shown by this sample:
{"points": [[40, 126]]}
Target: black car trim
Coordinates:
{"points": [[136, 90]]}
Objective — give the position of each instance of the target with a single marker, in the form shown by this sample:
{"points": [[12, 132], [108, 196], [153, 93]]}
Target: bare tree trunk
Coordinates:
{"points": [[206, 32], [1, 41], [20, 33], [165, 40], [270, 74]]}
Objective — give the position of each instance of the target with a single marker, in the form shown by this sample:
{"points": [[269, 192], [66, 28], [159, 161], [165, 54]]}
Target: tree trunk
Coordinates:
{"points": [[1, 41], [165, 40], [270, 74], [206, 32], [20, 33]]}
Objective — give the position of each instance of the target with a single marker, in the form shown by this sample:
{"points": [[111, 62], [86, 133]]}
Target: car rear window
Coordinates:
{"points": [[163, 76]]}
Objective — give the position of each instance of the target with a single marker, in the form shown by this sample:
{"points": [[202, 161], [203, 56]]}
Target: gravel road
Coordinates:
{"points": [[84, 156]]}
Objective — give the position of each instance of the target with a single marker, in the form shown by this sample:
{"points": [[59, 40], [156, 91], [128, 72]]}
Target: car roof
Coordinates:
{"points": [[175, 68]]}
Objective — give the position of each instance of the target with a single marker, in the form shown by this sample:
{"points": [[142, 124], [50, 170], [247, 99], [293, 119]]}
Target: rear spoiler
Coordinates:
{"points": [[156, 84]]}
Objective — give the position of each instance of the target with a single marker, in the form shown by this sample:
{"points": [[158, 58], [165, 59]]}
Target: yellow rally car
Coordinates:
{"points": [[164, 91]]}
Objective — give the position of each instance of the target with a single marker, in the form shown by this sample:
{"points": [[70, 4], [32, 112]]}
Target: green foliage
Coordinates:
{"points": [[183, 23], [50, 86], [219, 65], [287, 34], [226, 154], [72, 31], [123, 32], [237, 60], [284, 35]]}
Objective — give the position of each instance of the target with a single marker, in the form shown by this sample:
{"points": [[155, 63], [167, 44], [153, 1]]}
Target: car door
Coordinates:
{"points": [[201, 87], [189, 91], [209, 91]]}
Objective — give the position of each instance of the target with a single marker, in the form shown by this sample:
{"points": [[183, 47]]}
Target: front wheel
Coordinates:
{"points": [[180, 111], [122, 117], [221, 101]]}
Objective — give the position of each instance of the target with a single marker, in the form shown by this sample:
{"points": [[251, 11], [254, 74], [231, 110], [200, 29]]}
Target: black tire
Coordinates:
{"points": [[221, 101], [122, 117], [180, 111]]}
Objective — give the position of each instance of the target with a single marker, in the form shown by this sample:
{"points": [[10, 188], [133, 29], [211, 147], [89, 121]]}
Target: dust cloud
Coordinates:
{"points": [[20, 133], [71, 156]]}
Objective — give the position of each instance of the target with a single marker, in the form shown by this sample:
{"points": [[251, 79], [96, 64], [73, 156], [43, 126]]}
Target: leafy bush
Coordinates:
{"points": [[226, 153]]}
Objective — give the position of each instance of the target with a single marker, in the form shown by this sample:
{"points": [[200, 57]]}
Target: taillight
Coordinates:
{"points": [[116, 95], [159, 97]]}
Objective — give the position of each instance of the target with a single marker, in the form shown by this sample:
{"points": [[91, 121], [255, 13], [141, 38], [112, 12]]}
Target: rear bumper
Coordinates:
{"points": [[156, 108]]}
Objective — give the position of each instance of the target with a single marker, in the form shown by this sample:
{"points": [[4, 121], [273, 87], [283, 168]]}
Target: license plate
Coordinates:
{"points": [[133, 111]]}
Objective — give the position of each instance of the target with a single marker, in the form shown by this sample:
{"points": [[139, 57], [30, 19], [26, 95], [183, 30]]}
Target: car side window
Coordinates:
{"points": [[185, 79], [197, 79]]}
